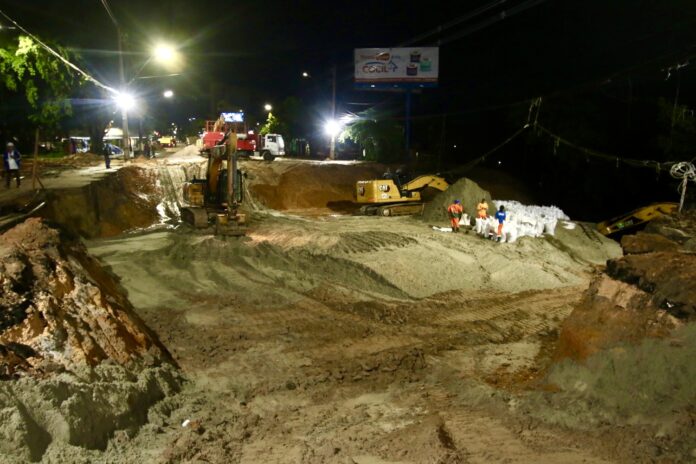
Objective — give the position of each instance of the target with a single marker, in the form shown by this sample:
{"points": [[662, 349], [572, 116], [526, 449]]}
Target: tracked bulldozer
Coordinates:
{"points": [[391, 197], [214, 202]]}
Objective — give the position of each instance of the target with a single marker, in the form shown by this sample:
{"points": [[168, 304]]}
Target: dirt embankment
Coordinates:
{"points": [[288, 186], [627, 348], [76, 362], [122, 201]]}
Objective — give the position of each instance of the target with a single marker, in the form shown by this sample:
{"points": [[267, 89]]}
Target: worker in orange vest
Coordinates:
{"points": [[482, 209], [455, 211]]}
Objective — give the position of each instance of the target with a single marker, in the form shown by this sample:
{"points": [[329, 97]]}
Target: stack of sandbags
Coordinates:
{"points": [[522, 221]]}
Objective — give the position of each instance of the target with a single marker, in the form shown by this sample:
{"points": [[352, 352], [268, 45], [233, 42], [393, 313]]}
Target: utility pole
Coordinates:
{"points": [[332, 148], [124, 111], [122, 73]]}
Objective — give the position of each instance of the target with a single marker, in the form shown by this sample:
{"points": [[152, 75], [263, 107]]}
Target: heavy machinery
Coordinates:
{"points": [[267, 146], [214, 201], [636, 218], [391, 197]]}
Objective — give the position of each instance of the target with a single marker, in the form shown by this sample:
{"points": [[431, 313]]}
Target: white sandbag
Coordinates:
{"points": [[531, 220], [550, 227]]}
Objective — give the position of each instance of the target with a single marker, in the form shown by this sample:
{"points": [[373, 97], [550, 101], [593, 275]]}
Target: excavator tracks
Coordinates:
{"points": [[399, 209]]}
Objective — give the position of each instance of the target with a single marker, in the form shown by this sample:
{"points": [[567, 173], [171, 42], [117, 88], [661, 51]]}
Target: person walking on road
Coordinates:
{"points": [[11, 160], [500, 216], [107, 155], [455, 212], [482, 209]]}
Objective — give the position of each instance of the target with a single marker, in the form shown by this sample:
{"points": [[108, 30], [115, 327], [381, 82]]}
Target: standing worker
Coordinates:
{"points": [[482, 209], [500, 216], [107, 155], [11, 159], [455, 211]]}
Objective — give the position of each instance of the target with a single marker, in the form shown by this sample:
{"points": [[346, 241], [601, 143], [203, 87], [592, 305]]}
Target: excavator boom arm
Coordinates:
{"points": [[421, 182]]}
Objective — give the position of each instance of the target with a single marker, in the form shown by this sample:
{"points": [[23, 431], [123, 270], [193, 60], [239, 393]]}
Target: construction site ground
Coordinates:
{"points": [[324, 337]]}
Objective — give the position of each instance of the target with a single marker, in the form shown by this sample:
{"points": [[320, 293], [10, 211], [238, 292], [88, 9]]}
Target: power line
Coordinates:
{"points": [[455, 22], [492, 20], [111, 14], [59, 56]]}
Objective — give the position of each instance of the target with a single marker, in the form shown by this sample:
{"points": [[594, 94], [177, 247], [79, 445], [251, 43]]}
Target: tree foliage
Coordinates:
{"points": [[42, 79], [274, 125], [381, 139]]}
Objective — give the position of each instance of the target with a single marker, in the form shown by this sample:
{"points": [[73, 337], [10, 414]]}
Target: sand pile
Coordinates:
{"points": [[466, 190], [76, 363]]}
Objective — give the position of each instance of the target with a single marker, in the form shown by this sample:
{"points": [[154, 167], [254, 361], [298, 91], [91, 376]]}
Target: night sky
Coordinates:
{"points": [[258, 49]]}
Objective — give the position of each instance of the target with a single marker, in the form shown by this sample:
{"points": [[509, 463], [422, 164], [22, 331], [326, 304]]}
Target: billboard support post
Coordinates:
{"points": [[398, 70]]}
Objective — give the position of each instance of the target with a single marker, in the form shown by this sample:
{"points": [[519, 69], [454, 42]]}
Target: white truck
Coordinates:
{"points": [[267, 146]]}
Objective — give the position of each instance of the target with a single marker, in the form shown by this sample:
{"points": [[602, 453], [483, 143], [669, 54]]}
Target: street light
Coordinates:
{"points": [[305, 74], [168, 93], [164, 53], [125, 101], [332, 128], [267, 107]]}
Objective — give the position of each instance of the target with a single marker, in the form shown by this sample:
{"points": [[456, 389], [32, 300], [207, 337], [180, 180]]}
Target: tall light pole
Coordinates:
{"points": [[332, 147], [124, 109], [122, 75]]}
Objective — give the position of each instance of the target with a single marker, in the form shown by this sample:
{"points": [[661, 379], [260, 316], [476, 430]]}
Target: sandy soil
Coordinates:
{"points": [[324, 338]]}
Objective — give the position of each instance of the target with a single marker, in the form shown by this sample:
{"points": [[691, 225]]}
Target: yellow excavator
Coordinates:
{"points": [[214, 202], [636, 218], [389, 197]]}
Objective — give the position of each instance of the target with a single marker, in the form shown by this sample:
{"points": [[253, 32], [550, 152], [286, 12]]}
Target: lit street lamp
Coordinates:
{"points": [[164, 53], [168, 94], [267, 107], [305, 74], [124, 101]]}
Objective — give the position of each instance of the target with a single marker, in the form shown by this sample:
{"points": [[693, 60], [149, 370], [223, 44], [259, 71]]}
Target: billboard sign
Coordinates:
{"points": [[233, 117], [414, 65]]}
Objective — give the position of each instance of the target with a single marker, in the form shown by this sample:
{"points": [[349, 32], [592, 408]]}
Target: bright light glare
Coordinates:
{"points": [[124, 101], [164, 53], [168, 94], [305, 74], [267, 107], [332, 127]]}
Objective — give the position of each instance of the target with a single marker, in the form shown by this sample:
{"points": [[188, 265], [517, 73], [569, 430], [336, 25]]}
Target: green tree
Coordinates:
{"points": [[274, 126], [381, 139], [43, 80]]}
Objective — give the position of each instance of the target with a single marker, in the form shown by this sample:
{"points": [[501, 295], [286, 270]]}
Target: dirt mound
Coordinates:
{"points": [[59, 309], [76, 363], [123, 201], [306, 186], [644, 242], [646, 293], [634, 336], [466, 190], [611, 313]]}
